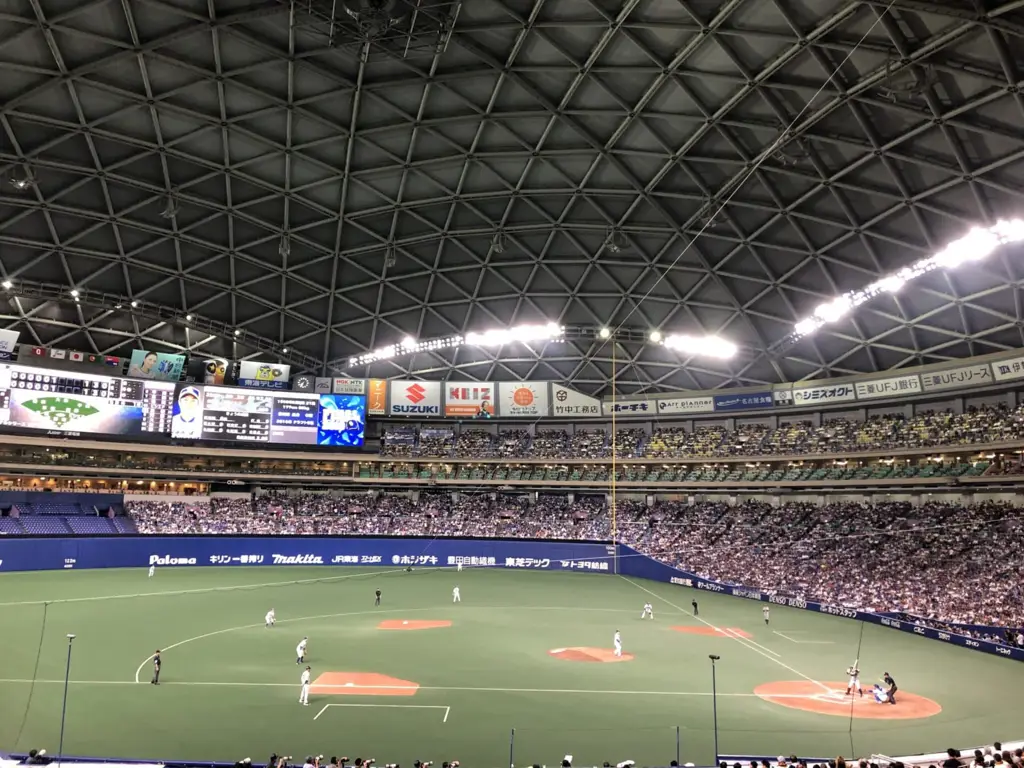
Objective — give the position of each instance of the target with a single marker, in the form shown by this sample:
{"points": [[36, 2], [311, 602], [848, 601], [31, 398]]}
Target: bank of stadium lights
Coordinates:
{"points": [[701, 346], [493, 338], [976, 245]]}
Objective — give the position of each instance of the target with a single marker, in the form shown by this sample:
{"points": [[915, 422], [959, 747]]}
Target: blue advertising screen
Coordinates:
{"points": [[341, 421]]}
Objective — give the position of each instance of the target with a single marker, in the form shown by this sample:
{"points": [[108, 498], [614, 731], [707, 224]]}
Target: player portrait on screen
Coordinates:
{"points": [[187, 421]]}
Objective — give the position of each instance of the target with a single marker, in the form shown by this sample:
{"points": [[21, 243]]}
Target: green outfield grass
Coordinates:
{"points": [[231, 686]]}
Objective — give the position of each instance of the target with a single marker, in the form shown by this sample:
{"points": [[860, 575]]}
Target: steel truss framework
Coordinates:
{"points": [[262, 166]]}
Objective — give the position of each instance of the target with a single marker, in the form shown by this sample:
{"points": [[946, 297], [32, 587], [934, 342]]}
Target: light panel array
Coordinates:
{"points": [[696, 346], [493, 338], [976, 245]]}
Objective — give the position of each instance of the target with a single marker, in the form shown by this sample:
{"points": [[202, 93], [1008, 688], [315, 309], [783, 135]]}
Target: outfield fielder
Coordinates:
{"points": [[456, 595], [304, 691]]}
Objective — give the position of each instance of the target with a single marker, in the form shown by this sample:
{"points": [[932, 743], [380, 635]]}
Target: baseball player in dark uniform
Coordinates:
{"points": [[376, 596], [156, 668], [694, 604]]}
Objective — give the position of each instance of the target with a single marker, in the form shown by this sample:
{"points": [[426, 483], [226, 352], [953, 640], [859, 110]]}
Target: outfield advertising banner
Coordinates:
{"points": [[631, 407], [1008, 370], [828, 393], [891, 387], [673, 405], [263, 375], [468, 398], [749, 402], [956, 378], [415, 398], [570, 403], [377, 397], [348, 386], [159, 366], [42, 554], [522, 399]]}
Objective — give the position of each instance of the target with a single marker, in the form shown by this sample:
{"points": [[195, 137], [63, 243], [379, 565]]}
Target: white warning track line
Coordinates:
{"points": [[741, 640], [571, 691], [200, 591], [447, 710]]}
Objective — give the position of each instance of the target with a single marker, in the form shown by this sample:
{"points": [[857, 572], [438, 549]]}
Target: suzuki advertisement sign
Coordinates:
{"points": [[415, 398], [468, 398]]}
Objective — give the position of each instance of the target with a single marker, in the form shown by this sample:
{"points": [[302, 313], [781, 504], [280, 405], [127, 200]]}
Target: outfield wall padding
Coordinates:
{"points": [[25, 553]]}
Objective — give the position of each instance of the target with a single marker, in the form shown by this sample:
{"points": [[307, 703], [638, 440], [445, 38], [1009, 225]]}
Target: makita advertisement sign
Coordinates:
{"points": [[415, 398], [297, 560]]}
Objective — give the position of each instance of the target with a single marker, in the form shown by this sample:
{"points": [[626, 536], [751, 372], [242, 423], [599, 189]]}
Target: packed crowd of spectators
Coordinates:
{"points": [[934, 561], [928, 429]]}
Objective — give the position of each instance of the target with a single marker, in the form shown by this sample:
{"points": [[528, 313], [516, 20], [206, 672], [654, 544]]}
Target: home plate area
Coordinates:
{"points": [[361, 684], [829, 698]]}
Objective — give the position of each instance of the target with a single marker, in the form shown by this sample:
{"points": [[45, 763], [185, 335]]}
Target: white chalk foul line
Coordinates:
{"points": [[733, 633], [741, 640], [447, 710], [456, 688], [802, 642]]}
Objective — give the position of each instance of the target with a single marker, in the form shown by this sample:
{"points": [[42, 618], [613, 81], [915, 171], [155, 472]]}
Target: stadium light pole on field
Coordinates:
{"points": [[714, 701], [64, 706]]}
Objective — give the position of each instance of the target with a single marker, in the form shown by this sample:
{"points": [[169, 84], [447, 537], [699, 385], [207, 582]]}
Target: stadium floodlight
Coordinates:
{"points": [[656, 337], [188, 318], [978, 244], [408, 342], [7, 285], [74, 293], [499, 337], [604, 333], [702, 346]]}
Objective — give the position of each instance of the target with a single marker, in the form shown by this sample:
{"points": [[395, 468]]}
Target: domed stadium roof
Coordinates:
{"points": [[328, 176]]}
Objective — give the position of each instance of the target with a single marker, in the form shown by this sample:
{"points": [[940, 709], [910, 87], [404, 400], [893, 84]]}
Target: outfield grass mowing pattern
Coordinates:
{"points": [[230, 686]]}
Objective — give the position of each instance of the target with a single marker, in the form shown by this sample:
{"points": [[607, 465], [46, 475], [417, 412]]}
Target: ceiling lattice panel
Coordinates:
{"points": [[329, 184]]}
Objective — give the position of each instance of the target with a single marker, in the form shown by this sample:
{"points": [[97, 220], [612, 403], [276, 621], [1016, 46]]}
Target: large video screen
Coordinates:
{"points": [[64, 401], [232, 414], [341, 421]]}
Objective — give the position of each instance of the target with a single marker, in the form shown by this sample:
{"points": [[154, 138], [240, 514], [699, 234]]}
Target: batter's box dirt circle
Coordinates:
{"points": [[829, 698]]}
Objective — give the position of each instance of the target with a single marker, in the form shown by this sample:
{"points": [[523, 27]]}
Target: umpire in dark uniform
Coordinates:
{"points": [[892, 687], [156, 668]]}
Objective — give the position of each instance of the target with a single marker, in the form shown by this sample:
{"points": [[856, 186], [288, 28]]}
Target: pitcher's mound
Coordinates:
{"points": [[361, 684], [589, 654], [831, 699], [412, 624]]}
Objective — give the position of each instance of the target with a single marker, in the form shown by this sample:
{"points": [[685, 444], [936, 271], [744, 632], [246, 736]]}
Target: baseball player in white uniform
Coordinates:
{"points": [[648, 611], [854, 675], [304, 691], [617, 640], [456, 595], [300, 651], [270, 618]]}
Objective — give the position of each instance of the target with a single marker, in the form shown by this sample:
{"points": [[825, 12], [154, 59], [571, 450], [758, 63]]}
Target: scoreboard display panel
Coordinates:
{"points": [[42, 399], [230, 414]]}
